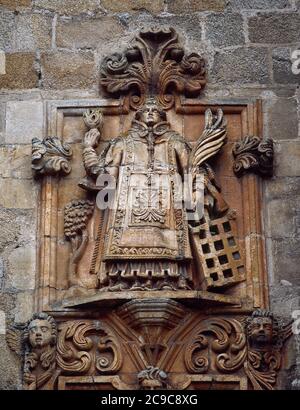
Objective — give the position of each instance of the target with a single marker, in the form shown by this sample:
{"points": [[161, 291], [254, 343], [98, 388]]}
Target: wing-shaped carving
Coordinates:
{"points": [[14, 340], [211, 140]]}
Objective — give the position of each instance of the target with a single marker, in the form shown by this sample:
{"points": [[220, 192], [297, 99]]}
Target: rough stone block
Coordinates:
{"points": [[72, 7], [24, 307], [20, 71], [91, 33], [191, 6], [21, 268], [2, 62], [282, 66], [18, 193], [32, 32], [10, 366], [286, 215], [2, 116], [282, 122], [9, 229], [116, 6], [15, 4], [224, 30], [287, 154], [2, 319], [61, 70], [286, 256], [274, 28], [24, 121], [284, 187], [7, 20], [258, 4], [2, 272], [243, 65], [15, 161]]}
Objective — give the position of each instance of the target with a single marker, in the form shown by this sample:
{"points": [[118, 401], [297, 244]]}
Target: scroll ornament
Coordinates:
{"points": [[51, 157], [252, 345], [226, 341], [85, 346], [35, 343], [252, 154]]}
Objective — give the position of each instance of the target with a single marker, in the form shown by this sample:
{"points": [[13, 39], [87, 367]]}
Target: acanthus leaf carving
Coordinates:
{"points": [[155, 64], [252, 154], [51, 156]]}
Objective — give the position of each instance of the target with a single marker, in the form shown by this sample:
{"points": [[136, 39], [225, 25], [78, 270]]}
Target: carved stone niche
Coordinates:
{"points": [[123, 283]]}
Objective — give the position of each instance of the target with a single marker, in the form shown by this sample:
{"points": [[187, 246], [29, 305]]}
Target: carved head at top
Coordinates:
{"points": [[261, 328], [41, 331], [151, 113]]}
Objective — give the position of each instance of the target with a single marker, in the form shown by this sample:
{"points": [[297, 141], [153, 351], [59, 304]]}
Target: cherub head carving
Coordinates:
{"points": [[41, 331], [261, 328], [151, 113]]}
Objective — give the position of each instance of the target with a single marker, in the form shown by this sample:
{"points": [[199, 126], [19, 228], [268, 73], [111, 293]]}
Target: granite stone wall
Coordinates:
{"points": [[51, 49]]}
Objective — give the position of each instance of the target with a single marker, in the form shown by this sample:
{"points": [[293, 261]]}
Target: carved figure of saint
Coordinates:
{"points": [[143, 242]]}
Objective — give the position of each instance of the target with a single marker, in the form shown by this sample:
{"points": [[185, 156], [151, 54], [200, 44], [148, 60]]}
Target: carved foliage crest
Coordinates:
{"points": [[155, 64]]}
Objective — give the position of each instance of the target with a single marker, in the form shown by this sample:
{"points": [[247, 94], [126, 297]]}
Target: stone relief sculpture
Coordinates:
{"points": [[152, 223], [266, 335], [149, 241], [36, 342], [253, 154]]}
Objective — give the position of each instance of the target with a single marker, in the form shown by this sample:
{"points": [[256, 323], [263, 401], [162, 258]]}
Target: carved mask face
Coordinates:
{"points": [[40, 333], [261, 331], [150, 115]]}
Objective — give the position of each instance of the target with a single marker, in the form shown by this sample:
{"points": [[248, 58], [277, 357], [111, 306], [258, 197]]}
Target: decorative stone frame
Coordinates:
{"points": [[254, 292]]}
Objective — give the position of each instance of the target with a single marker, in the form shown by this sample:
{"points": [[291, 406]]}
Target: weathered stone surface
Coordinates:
{"points": [[9, 230], [32, 32], [243, 65], [272, 28], [287, 217], [6, 30], [2, 116], [224, 30], [286, 256], [284, 187], [10, 368], [15, 4], [282, 122], [258, 4], [91, 33], [116, 6], [190, 6], [15, 161], [24, 307], [2, 272], [73, 7], [2, 62], [18, 193], [68, 70], [287, 155], [24, 121], [21, 268], [188, 26], [282, 66], [20, 71]]}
